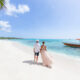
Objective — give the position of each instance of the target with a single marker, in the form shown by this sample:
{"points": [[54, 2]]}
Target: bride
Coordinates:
{"points": [[46, 58]]}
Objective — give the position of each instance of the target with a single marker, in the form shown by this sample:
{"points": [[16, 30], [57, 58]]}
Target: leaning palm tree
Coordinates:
{"points": [[2, 4]]}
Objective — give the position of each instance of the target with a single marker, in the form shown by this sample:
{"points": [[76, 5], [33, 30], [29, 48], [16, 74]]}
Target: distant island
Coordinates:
{"points": [[10, 38]]}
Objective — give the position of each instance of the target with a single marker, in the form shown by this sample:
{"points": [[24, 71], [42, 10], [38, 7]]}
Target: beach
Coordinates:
{"points": [[17, 63]]}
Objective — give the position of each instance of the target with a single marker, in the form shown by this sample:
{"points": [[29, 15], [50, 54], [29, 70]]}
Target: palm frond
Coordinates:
{"points": [[2, 4]]}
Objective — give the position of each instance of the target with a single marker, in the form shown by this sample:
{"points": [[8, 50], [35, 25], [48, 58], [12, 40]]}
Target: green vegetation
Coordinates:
{"points": [[2, 4], [10, 38]]}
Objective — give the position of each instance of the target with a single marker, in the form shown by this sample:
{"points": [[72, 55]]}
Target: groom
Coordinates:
{"points": [[36, 50]]}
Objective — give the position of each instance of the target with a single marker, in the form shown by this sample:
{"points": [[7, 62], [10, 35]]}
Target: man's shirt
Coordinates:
{"points": [[37, 47]]}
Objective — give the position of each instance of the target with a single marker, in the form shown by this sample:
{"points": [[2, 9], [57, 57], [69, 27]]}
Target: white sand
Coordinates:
{"points": [[16, 63]]}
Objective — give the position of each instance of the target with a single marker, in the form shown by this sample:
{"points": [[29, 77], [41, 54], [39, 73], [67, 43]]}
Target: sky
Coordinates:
{"points": [[54, 19]]}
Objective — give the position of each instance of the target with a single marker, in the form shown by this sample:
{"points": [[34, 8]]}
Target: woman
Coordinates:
{"points": [[47, 60]]}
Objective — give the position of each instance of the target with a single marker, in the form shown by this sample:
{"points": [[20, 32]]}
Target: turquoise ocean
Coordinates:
{"points": [[55, 45]]}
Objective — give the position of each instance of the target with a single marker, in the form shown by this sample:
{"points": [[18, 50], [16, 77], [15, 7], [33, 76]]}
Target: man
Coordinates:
{"points": [[36, 51]]}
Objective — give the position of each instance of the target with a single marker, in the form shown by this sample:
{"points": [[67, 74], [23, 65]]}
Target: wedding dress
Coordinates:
{"points": [[46, 58]]}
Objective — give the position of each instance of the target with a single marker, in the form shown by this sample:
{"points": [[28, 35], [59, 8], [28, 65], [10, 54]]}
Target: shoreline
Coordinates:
{"points": [[16, 63], [53, 52]]}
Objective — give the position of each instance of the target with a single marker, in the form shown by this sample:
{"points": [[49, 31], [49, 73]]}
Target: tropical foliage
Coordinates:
{"points": [[2, 4]]}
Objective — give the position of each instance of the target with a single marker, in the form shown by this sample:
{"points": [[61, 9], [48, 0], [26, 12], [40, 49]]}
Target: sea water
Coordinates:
{"points": [[56, 45]]}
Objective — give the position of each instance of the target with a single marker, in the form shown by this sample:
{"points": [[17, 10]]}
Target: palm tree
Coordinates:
{"points": [[2, 4]]}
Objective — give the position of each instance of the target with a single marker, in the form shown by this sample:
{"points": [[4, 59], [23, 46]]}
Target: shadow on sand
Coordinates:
{"points": [[31, 62]]}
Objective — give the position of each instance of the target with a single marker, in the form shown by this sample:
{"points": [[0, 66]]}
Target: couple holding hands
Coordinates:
{"points": [[46, 58]]}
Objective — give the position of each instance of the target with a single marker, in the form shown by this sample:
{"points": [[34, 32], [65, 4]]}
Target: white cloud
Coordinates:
{"points": [[12, 9], [5, 26]]}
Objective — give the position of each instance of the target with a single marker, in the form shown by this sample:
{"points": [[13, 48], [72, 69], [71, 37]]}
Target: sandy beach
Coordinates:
{"points": [[16, 63]]}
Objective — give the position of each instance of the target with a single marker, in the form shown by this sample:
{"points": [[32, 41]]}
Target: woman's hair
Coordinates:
{"points": [[43, 42]]}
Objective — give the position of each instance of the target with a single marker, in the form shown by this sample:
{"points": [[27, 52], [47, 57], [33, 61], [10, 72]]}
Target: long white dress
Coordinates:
{"points": [[46, 58]]}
